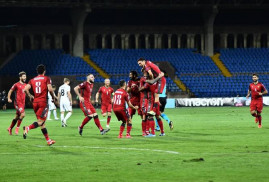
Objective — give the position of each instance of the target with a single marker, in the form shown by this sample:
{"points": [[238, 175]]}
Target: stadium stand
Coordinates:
{"points": [[56, 61], [115, 62], [199, 73]]}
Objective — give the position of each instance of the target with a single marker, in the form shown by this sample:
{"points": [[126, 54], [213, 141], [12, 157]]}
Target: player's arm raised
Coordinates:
{"points": [[26, 90], [9, 95], [76, 89]]}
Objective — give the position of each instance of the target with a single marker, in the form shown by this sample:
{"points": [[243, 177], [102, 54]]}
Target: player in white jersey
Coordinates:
{"points": [[52, 106], [65, 98]]}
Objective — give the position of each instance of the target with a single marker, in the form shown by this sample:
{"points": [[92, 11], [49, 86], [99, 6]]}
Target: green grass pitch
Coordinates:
{"points": [[226, 138]]}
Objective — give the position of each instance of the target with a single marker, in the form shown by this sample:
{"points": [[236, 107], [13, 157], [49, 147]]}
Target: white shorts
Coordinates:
{"points": [[51, 106], [65, 106]]}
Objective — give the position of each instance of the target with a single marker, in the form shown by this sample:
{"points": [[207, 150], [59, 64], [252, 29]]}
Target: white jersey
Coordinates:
{"points": [[65, 104], [63, 90], [50, 102]]}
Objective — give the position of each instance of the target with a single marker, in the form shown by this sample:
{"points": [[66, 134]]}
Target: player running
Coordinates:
{"points": [[119, 107], [52, 106], [84, 96], [40, 85], [65, 98], [133, 90], [106, 101], [155, 76], [257, 90], [19, 102]]}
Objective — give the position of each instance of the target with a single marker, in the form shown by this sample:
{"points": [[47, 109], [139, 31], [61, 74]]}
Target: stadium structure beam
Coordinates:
{"points": [[209, 18], [78, 16]]}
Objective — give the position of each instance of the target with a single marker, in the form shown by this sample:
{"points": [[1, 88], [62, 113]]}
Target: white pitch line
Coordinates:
{"points": [[112, 148]]}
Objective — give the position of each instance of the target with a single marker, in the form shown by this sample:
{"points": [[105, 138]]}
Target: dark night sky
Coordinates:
{"points": [[32, 16]]}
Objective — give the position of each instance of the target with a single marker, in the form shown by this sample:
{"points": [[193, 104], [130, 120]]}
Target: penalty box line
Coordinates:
{"points": [[111, 148]]}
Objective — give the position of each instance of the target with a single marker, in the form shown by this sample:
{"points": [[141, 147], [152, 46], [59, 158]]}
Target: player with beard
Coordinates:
{"points": [[257, 90], [133, 90], [84, 91], [19, 102]]}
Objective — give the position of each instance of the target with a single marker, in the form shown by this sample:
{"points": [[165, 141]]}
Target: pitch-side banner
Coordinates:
{"points": [[216, 102]]}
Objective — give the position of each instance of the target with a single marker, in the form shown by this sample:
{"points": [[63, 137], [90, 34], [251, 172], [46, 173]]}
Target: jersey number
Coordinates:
{"points": [[117, 100], [62, 92], [38, 87]]}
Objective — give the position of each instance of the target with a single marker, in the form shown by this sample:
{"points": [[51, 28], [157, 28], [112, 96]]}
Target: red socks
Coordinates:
{"points": [[19, 122], [33, 126], [97, 122], [108, 120], [13, 122], [260, 119], [85, 121], [160, 123], [129, 128], [122, 127], [152, 125], [144, 125], [45, 133]]}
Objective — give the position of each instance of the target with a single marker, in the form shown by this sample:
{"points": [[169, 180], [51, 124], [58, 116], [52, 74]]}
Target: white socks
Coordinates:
{"points": [[49, 112], [67, 116], [55, 113]]}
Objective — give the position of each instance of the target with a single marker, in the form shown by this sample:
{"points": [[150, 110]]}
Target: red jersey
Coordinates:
{"points": [[143, 94], [119, 99], [86, 90], [134, 94], [18, 89], [153, 67], [106, 93], [39, 85], [255, 90]]}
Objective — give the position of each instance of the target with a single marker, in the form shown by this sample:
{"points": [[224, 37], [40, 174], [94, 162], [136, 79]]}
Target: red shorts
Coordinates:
{"points": [[133, 111], [19, 108], [87, 108], [160, 85], [122, 115], [41, 110], [106, 108], [256, 105]]}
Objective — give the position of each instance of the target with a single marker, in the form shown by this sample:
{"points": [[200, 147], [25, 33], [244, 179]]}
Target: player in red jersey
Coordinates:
{"points": [[106, 101], [133, 90], [119, 107], [40, 85], [155, 75], [149, 91], [84, 92], [19, 102], [257, 90]]}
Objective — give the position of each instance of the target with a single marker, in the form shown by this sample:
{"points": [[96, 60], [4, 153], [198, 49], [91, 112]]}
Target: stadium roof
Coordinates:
{"points": [[139, 4]]}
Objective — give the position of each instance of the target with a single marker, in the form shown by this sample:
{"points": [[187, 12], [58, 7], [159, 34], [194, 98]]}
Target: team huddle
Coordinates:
{"points": [[146, 95]]}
